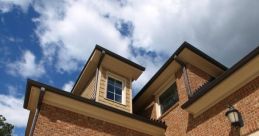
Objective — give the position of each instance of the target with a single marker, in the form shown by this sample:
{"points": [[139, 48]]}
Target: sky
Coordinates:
{"points": [[50, 41]]}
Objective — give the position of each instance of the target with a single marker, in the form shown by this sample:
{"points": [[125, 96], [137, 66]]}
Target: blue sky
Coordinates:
{"points": [[50, 41]]}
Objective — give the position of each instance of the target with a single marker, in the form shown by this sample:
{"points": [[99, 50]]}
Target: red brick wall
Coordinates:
{"points": [[196, 77], [213, 121], [53, 121]]}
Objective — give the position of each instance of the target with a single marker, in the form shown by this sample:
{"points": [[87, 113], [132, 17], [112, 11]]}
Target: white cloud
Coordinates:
{"points": [[68, 86], [27, 66], [69, 29], [71, 32], [12, 109], [8, 5]]}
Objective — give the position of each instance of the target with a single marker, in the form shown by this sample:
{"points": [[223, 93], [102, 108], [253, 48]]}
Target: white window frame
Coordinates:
{"points": [[123, 81], [163, 88]]}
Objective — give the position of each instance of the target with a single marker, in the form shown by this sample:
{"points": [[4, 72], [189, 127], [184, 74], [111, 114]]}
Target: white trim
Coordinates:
{"points": [[256, 133], [96, 112], [122, 80], [160, 91]]}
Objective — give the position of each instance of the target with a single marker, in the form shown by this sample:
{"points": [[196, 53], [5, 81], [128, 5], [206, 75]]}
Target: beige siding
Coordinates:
{"points": [[102, 92], [89, 91]]}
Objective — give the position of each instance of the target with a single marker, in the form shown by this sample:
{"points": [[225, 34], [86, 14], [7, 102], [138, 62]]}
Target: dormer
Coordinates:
{"points": [[177, 81], [107, 78]]}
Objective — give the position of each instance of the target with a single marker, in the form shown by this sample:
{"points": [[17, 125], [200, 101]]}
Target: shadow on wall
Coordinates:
{"points": [[234, 131]]}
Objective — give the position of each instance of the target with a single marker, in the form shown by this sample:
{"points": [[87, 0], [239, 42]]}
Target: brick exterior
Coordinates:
{"points": [[53, 121], [213, 121], [196, 77]]}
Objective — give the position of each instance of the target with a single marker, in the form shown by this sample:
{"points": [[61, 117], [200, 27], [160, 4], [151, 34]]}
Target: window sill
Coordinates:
{"points": [[169, 110], [114, 101]]}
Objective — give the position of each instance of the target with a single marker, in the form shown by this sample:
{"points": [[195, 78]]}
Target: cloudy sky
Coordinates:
{"points": [[49, 41]]}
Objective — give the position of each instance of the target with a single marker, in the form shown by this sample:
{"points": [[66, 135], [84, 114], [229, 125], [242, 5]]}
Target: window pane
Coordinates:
{"points": [[118, 98], [114, 90], [110, 95], [110, 81], [110, 88], [118, 84], [118, 91], [168, 98]]}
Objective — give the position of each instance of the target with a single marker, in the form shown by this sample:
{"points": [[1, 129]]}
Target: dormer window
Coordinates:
{"points": [[115, 89], [168, 98]]}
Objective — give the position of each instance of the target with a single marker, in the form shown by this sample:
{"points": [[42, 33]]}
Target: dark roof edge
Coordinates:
{"points": [[203, 90], [81, 99], [82, 70], [100, 48], [200, 53], [177, 52]]}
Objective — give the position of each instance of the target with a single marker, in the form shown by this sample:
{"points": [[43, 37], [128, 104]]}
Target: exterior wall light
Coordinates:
{"points": [[234, 117]]}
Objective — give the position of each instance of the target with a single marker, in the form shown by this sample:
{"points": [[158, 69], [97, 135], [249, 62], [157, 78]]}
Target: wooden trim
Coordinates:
{"points": [[160, 91], [202, 91], [124, 88], [101, 114], [34, 84], [171, 59]]}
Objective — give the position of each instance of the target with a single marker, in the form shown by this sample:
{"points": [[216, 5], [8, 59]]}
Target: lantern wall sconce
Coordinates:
{"points": [[234, 117]]}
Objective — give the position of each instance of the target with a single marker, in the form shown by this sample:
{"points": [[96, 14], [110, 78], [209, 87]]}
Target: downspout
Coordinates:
{"points": [[42, 93], [185, 76], [97, 73]]}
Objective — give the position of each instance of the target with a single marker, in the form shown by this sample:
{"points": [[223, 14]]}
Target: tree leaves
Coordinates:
{"points": [[5, 128]]}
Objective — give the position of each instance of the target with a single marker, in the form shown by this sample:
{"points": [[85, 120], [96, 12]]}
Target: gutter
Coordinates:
{"points": [[36, 115], [177, 52], [31, 83], [206, 88]]}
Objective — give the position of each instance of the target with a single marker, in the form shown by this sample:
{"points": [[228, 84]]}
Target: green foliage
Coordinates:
{"points": [[5, 128]]}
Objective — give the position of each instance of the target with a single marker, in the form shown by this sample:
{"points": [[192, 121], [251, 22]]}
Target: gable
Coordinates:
{"points": [[186, 54]]}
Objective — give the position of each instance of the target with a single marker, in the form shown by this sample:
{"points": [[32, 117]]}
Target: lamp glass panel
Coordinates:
{"points": [[233, 116]]}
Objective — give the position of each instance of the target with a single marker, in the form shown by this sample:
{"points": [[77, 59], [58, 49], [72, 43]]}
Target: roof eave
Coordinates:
{"points": [[203, 90], [31, 83], [177, 52]]}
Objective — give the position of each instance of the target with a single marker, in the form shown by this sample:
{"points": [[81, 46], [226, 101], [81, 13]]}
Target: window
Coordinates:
{"points": [[168, 98], [114, 90]]}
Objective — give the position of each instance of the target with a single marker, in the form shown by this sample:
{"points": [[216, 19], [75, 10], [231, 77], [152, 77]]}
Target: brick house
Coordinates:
{"points": [[189, 95]]}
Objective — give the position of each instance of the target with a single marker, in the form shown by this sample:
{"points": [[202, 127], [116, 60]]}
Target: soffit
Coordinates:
{"points": [[186, 53], [87, 72], [68, 101], [121, 67], [190, 57], [101, 114], [228, 86]]}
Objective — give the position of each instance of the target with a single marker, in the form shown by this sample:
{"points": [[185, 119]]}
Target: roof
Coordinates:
{"points": [[167, 63], [207, 87], [106, 51], [31, 83], [98, 47]]}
